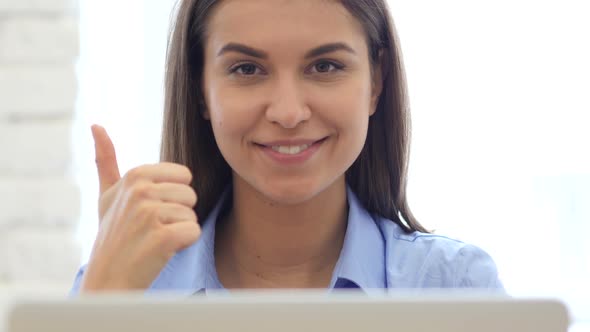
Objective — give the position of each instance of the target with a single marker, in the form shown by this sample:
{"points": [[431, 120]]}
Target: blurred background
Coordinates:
{"points": [[500, 96]]}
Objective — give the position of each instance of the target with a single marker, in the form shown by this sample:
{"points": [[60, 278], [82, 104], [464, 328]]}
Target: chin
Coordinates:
{"points": [[289, 192]]}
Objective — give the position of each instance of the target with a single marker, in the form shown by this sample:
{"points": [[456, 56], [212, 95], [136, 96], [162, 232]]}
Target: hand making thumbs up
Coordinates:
{"points": [[145, 217]]}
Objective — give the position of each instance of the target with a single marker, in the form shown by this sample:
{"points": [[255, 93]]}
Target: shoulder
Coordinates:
{"points": [[421, 260]]}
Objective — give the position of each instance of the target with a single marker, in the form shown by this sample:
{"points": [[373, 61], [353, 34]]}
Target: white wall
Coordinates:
{"points": [[501, 106], [39, 199]]}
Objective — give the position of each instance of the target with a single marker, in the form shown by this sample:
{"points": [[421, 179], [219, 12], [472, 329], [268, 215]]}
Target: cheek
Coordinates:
{"points": [[232, 112], [226, 106], [346, 108], [353, 124], [349, 113]]}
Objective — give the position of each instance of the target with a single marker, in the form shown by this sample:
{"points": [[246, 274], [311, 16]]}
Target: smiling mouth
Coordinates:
{"points": [[291, 149]]}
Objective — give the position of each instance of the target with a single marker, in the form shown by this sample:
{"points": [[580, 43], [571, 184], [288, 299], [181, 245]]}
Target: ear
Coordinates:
{"points": [[376, 83]]}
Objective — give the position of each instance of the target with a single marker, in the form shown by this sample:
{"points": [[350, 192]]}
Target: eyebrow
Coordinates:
{"points": [[247, 50]]}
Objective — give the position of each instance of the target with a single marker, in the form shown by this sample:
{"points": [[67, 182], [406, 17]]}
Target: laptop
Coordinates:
{"points": [[287, 312]]}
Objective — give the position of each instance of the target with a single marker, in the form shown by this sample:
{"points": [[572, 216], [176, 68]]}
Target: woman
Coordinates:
{"points": [[289, 121]]}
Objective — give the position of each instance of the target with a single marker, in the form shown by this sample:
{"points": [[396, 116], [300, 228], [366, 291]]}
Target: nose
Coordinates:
{"points": [[287, 107]]}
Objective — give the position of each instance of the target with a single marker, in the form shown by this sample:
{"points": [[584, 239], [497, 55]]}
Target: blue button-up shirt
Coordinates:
{"points": [[376, 253]]}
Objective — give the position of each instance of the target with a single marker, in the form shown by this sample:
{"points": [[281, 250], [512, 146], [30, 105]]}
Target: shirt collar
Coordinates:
{"points": [[362, 259], [361, 262]]}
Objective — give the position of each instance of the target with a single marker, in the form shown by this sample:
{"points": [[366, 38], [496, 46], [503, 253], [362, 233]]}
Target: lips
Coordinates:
{"points": [[291, 142], [290, 152]]}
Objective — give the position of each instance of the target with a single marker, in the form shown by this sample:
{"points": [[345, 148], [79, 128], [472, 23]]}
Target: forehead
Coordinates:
{"points": [[283, 23]]}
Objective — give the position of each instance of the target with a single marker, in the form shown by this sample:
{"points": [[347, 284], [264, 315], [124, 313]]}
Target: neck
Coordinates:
{"points": [[268, 245]]}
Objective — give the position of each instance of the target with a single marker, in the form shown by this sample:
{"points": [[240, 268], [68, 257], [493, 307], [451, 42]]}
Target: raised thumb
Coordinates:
{"points": [[106, 159]]}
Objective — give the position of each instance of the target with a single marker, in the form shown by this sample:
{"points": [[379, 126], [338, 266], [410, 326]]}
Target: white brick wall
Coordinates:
{"points": [[44, 201], [34, 147], [39, 202], [38, 39], [36, 90], [39, 257], [37, 6]]}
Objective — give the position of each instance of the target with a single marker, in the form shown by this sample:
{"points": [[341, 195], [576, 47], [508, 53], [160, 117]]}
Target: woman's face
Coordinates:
{"points": [[289, 93]]}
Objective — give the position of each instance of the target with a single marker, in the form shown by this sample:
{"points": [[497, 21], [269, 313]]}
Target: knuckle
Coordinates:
{"points": [[193, 196], [140, 191], [146, 211], [193, 215], [195, 232], [134, 175], [186, 173]]}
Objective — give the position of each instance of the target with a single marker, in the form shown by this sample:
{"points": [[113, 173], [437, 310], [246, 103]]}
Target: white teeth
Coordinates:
{"points": [[290, 149]]}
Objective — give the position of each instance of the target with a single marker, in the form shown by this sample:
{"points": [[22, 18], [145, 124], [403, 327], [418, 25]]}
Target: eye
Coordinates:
{"points": [[245, 69], [325, 66]]}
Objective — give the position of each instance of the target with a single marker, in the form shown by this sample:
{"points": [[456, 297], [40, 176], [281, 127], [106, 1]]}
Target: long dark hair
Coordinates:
{"points": [[378, 176]]}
